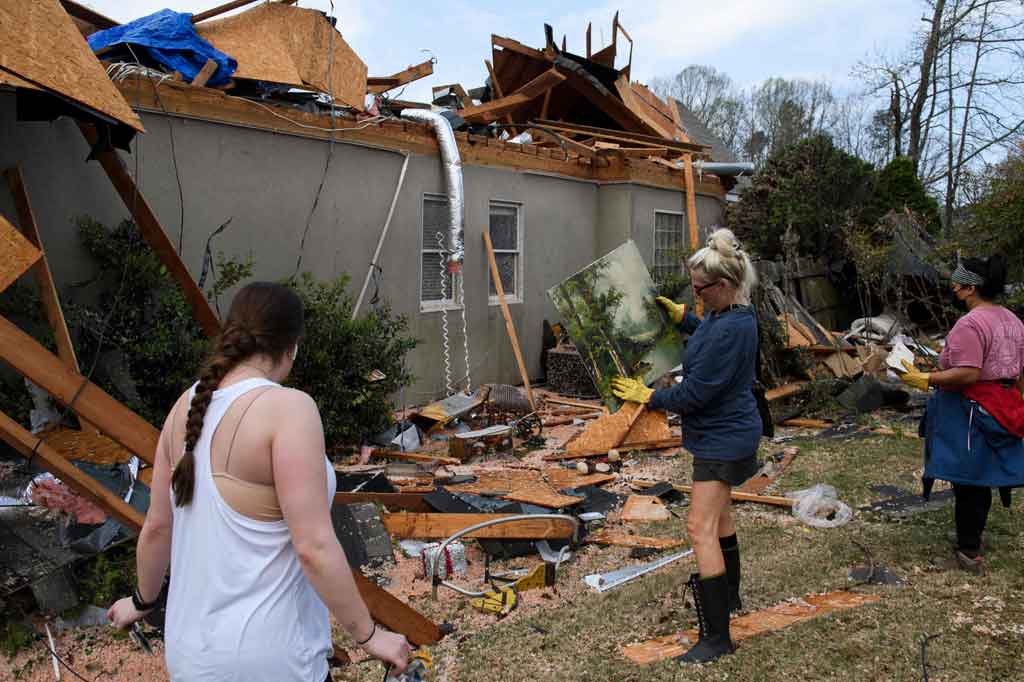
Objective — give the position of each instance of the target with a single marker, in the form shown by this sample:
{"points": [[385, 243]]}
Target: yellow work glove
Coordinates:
{"points": [[675, 311], [632, 390], [914, 377]]}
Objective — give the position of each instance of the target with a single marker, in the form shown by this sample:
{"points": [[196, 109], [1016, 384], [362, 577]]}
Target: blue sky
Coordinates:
{"points": [[749, 39]]}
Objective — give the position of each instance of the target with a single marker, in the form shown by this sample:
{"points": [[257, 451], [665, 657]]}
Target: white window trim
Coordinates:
{"points": [[520, 269], [445, 304], [654, 237]]}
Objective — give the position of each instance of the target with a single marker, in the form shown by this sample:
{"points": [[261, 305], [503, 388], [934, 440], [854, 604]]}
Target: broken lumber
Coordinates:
{"points": [[378, 86], [496, 108], [807, 423], [570, 419], [607, 432], [510, 327], [625, 136], [643, 508], [412, 502], [151, 230], [204, 74], [413, 456], [396, 615], [220, 9], [784, 391], [572, 403], [439, 526], [661, 444], [620, 539], [82, 483], [759, 483], [751, 624]]}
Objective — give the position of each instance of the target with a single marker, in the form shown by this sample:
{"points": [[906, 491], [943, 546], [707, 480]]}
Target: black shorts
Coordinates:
{"points": [[734, 472]]}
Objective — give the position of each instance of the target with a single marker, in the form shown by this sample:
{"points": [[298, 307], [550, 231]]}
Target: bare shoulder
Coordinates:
{"points": [[290, 401]]}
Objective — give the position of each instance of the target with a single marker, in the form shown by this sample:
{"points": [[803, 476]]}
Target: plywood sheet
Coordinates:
{"points": [[39, 43], [530, 485], [642, 508], [561, 478], [290, 45], [751, 624], [86, 446], [17, 254], [651, 426], [607, 432], [542, 495]]}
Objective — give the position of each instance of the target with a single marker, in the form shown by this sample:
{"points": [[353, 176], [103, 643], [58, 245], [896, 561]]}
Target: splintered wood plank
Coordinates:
{"points": [[17, 254], [640, 508], [736, 495], [413, 457], [751, 624], [651, 426], [757, 484], [607, 432], [496, 108], [86, 446], [784, 391], [620, 539], [439, 526], [673, 442]]}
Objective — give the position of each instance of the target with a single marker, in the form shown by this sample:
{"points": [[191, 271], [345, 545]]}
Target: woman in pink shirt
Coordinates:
{"points": [[974, 423]]}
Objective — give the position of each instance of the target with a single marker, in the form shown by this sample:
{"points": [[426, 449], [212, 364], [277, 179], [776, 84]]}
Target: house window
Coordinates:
{"points": [[668, 245], [437, 285], [507, 238]]}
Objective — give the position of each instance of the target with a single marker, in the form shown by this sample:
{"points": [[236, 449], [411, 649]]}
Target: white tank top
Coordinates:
{"points": [[239, 606]]}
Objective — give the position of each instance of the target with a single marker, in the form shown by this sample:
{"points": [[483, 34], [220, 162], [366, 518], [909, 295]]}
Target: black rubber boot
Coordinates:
{"points": [[731, 554], [711, 599]]}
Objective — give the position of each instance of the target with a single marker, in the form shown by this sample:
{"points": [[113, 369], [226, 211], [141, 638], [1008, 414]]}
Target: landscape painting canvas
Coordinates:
{"points": [[609, 311]]}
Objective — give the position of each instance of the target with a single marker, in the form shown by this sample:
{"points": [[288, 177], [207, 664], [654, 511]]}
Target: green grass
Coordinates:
{"points": [[578, 634]]}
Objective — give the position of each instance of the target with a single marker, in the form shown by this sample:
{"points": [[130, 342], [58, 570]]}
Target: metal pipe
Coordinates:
{"points": [[383, 234], [453, 180], [485, 524]]}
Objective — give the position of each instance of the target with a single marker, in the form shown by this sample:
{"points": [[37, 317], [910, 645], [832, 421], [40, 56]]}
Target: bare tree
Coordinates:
{"points": [[710, 95]]}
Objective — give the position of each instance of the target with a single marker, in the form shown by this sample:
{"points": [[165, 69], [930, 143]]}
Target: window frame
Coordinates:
{"points": [[438, 305], [684, 238], [519, 295]]}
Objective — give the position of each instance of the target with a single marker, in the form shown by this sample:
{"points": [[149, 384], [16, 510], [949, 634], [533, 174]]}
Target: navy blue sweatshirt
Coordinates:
{"points": [[715, 398]]}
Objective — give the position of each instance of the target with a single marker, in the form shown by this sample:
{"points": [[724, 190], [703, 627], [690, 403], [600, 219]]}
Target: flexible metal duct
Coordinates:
{"points": [[735, 169], [453, 180]]}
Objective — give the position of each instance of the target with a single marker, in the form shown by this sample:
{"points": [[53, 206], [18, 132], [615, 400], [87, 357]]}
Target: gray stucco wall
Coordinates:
{"points": [[265, 183]]}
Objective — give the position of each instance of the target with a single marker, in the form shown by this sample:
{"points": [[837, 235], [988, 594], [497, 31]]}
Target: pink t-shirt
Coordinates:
{"points": [[990, 338]]}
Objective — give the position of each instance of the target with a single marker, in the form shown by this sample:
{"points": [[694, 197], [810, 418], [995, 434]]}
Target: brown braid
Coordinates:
{"points": [[264, 319]]}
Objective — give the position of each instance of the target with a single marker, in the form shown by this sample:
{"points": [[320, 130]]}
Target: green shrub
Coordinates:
{"points": [[338, 355], [898, 187]]}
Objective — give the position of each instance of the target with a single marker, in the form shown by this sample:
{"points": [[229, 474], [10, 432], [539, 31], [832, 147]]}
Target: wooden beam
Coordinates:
{"points": [[589, 26], [85, 485], [396, 615], [87, 15], [510, 327], [220, 9], [608, 103], [438, 526], [413, 73], [495, 109], [558, 400], [148, 224], [204, 74], [784, 391], [412, 502], [691, 215], [517, 47], [633, 152], [41, 269], [46, 370], [625, 136], [498, 93], [736, 495]]}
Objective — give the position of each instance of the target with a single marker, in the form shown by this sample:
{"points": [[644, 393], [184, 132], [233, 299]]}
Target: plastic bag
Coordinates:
{"points": [[819, 506]]}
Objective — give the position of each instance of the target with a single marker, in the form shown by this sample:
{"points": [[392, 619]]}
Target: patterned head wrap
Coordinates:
{"points": [[964, 276]]}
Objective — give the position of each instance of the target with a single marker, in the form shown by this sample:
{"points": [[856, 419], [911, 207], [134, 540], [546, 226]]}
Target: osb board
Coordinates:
{"points": [[607, 432], [86, 446], [16, 254], [744, 627], [643, 110], [39, 43], [651, 426], [496, 482], [561, 478], [285, 44], [842, 365], [542, 495], [639, 508], [620, 539]]}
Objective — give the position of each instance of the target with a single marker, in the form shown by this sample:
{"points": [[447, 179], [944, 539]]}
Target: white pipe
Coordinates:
{"points": [[453, 179], [380, 242]]}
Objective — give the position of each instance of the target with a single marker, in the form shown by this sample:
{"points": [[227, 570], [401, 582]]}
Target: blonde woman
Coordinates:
{"points": [[721, 426]]}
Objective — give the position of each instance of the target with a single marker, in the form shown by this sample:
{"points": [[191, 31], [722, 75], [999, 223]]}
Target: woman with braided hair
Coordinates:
{"points": [[240, 512], [974, 422], [721, 426]]}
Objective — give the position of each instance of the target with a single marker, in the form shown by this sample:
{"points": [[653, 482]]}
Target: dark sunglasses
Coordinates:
{"points": [[700, 289]]}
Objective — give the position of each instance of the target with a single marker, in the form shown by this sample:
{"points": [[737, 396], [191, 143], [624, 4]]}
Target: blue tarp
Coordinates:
{"points": [[171, 39]]}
